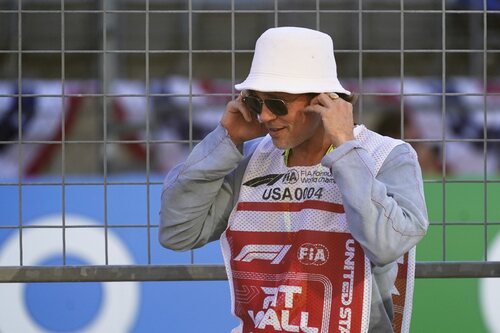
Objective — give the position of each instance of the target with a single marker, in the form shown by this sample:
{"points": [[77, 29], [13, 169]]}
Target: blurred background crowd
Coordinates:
{"points": [[136, 96]]}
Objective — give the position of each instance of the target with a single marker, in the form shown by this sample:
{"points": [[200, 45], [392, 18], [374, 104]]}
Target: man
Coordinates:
{"points": [[313, 216]]}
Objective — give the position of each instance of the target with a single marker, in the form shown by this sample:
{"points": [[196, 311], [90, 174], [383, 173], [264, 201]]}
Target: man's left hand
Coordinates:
{"points": [[337, 117]]}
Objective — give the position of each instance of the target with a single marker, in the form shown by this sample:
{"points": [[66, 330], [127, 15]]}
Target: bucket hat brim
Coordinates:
{"points": [[274, 83]]}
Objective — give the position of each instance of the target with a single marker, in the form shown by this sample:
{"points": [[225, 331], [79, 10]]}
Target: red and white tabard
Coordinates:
{"points": [[292, 263]]}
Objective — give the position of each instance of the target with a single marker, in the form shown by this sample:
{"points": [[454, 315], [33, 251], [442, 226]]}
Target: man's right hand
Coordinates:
{"points": [[241, 123]]}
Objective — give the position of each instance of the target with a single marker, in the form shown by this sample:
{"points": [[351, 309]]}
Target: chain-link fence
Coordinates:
{"points": [[99, 99]]}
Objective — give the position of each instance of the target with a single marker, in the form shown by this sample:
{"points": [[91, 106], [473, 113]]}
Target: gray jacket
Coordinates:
{"points": [[386, 212]]}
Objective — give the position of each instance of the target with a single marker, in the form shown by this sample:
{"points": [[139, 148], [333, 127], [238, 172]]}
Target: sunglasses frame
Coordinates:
{"points": [[268, 102], [352, 98]]}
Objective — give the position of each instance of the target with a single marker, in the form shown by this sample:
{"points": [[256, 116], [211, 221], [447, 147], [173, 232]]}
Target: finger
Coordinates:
{"points": [[236, 107], [328, 99], [247, 114], [333, 96], [243, 109], [316, 108]]}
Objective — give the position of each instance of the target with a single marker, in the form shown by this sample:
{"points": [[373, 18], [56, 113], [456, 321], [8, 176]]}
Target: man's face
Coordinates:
{"points": [[293, 129]]}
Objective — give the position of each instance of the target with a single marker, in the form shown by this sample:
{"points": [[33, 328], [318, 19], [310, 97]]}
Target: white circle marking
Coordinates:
{"points": [[120, 301], [489, 292]]}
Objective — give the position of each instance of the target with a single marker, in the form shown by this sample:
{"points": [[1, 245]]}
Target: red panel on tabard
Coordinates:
{"points": [[305, 281]]}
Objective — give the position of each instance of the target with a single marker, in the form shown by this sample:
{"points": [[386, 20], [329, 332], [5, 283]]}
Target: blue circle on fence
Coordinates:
{"points": [[63, 306]]}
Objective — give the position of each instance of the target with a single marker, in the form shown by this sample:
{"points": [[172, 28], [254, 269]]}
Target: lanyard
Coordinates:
{"points": [[287, 153]]}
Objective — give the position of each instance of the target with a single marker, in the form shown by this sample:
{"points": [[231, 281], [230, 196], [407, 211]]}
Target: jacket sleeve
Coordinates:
{"points": [[386, 212], [197, 195]]}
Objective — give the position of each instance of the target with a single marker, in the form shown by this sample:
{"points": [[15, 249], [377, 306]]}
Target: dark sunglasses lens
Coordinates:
{"points": [[277, 106], [253, 104]]}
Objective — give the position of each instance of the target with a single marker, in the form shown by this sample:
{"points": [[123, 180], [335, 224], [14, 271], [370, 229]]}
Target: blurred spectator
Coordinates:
{"points": [[429, 155]]}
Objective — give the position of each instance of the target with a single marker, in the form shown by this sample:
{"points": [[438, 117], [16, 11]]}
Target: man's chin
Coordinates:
{"points": [[280, 144]]}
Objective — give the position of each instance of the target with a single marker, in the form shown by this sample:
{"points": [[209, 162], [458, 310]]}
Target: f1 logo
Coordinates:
{"points": [[271, 252]]}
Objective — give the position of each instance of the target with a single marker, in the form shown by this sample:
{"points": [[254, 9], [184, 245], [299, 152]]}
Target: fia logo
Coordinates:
{"points": [[291, 177], [312, 254]]}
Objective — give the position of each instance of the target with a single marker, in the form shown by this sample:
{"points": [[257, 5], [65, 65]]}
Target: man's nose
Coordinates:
{"points": [[266, 114]]}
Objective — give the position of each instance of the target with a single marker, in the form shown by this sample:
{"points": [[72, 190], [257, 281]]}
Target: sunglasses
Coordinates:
{"points": [[275, 105]]}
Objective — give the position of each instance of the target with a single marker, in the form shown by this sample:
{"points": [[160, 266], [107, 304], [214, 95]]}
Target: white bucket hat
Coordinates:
{"points": [[293, 60]]}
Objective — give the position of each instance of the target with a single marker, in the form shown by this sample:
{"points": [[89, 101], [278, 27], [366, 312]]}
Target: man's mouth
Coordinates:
{"points": [[275, 132], [275, 129]]}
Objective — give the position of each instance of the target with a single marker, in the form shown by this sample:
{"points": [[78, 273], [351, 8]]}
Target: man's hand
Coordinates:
{"points": [[241, 123], [336, 115]]}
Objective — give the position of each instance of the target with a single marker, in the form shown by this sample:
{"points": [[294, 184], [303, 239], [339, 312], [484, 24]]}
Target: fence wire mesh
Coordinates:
{"points": [[99, 99]]}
